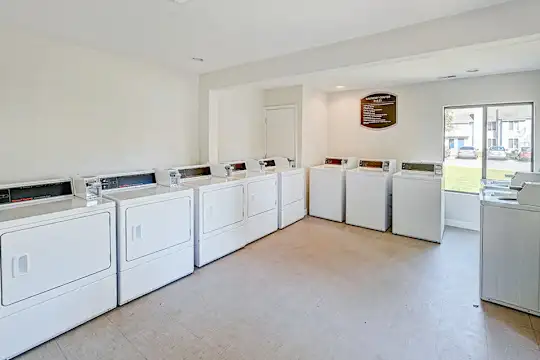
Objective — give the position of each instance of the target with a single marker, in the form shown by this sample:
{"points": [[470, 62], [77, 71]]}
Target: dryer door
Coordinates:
{"points": [[222, 207], [262, 196], [41, 258], [157, 226], [293, 187]]}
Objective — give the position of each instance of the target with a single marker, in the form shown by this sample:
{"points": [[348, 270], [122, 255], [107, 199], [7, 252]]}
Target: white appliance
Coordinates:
{"points": [[291, 187], [369, 194], [154, 232], [219, 211], [510, 247], [418, 201], [261, 200], [327, 188], [58, 262]]}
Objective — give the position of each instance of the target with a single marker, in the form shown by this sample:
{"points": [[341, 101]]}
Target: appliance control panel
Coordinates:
{"points": [[336, 161], [128, 181], [88, 188], [168, 177], [195, 172], [373, 164], [435, 168], [239, 166], [19, 193]]}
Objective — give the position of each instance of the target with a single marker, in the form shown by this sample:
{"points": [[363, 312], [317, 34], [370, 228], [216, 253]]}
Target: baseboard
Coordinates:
{"points": [[462, 224]]}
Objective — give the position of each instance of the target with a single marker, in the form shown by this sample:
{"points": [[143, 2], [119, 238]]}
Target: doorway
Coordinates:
{"points": [[280, 137]]}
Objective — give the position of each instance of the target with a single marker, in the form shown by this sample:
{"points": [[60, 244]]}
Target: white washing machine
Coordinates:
{"points": [[418, 201], [58, 261], [261, 200], [369, 194], [154, 233], [327, 188], [220, 209], [291, 188]]}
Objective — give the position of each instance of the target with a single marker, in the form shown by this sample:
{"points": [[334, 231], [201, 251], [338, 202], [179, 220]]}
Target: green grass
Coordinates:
{"points": [[467, 179]]}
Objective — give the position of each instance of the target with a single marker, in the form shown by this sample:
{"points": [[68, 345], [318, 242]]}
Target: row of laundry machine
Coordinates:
{"points": [[374, 195], [72, 249]]}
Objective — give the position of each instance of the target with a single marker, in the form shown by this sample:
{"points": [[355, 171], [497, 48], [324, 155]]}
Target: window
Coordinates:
{"points": [[513, 143], [475, 140]]}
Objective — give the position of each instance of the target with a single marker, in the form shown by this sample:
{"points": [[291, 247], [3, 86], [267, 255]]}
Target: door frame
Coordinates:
{"points": [[282, 107]]}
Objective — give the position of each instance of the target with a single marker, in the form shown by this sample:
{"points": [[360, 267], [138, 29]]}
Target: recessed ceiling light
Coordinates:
{"points": [[197, 59], [473, 70], [340, 87], [179, 1], [447, 77]]}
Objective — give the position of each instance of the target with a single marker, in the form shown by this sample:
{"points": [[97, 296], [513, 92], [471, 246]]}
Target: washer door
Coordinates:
{"points": [[41, 258], [222, 208], [262, 196], [293, 187], [157, 226]]}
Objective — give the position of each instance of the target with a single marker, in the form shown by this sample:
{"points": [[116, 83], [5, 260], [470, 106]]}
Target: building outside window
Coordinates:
{"points": [[513, 143]]}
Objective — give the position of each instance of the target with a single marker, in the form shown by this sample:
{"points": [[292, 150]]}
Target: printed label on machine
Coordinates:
{"points": [[118, 182], [35, 192], [334, 161]]}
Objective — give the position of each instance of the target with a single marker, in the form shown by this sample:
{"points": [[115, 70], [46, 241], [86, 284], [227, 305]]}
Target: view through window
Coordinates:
{"points": [[490, 142]]}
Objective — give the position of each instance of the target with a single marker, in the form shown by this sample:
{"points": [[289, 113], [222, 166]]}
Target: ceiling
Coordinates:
{"points": [[509, 56], [224, 33]]}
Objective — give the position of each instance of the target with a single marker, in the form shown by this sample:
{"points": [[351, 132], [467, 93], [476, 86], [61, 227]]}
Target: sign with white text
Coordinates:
{"points": [[378, 111]]}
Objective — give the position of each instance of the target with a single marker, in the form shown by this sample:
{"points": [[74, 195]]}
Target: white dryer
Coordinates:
{"points": [[58, 262], [261, 200], [418, 201], [369, 194], [327, 188], [219, 212], [154, 234], [291, 187]]}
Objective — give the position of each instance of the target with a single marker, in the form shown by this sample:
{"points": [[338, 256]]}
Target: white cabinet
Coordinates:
{"points": [[511, 257]]}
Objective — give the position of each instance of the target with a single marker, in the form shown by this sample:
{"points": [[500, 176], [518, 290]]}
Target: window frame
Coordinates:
{"points": [[485, 130]]}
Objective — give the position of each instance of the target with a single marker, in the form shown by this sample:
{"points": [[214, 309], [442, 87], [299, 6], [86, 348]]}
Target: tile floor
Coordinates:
{"points": [[316, 290]]}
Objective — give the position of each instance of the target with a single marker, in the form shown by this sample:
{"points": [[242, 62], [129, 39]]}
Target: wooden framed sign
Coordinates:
{"points": [[378, 111]]}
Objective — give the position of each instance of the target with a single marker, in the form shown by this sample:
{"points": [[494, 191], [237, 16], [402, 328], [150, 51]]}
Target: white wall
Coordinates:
{"points": [[314, 127], [240, 122], [418, 134], [66, 109]]}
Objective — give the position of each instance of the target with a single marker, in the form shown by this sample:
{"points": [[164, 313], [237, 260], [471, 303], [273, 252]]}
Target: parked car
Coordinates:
{"points": [[467, 152], [524, 154], [496, 153]]}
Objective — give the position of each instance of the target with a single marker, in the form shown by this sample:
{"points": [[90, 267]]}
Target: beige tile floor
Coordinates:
{"points": [[316, 290]]}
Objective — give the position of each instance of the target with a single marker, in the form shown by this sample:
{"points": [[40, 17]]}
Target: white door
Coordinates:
{"points": [[262, 196], [281, 132], [511, 256], [222, 207], [41, 258], [154, 227]]}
